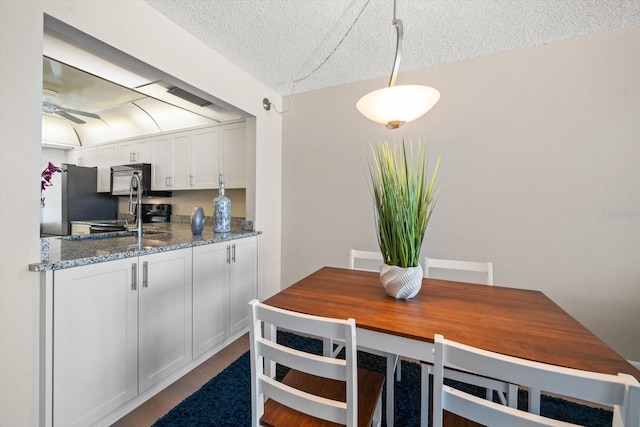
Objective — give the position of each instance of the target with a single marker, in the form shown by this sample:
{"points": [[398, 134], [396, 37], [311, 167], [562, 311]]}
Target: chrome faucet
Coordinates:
{"points": [[136, 186]]}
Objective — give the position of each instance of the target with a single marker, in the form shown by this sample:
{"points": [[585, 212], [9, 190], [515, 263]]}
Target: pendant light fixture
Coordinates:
{"points": [[394, 106]]}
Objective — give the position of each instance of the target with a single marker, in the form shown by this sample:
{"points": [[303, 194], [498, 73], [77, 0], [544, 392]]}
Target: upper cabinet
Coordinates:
{"points": [[83, 157], [193, 160], [170, 165], [107, 157], [205, 152], [233, 155], [135, 151], [185, 160]]}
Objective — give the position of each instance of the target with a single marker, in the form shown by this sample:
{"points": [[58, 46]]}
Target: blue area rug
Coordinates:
{"points": [[225, 401]]}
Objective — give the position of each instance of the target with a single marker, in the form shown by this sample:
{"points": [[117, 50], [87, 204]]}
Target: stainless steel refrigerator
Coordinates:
{"points": [[74, 197]]}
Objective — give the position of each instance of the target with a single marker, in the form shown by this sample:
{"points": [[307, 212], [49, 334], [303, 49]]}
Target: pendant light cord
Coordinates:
{"points": [[399, 35], [299, 79]]}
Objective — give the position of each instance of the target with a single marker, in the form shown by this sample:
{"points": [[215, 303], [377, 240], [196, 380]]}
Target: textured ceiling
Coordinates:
{"points": [[277, 41]]}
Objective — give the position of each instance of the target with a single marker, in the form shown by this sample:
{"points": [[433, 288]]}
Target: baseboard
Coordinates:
{"points": [[635, 364]]}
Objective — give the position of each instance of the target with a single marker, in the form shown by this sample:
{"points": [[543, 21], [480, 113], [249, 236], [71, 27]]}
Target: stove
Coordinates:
{"points": [[156, 212]]}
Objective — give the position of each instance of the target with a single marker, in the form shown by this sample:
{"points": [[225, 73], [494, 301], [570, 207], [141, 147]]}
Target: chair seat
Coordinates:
{"points": [[369, 388]]}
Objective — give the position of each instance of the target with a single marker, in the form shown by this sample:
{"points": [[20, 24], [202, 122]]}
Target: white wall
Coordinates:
{"points": [[540, 175], [138, 30]]}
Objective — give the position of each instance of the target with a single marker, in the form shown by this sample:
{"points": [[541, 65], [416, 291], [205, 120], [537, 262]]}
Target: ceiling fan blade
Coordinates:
{"points": [[63, 113], [82, 113]]}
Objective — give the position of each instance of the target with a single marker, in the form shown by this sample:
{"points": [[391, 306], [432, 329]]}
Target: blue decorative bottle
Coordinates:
{"points": [[197, 221], [221, 211]]}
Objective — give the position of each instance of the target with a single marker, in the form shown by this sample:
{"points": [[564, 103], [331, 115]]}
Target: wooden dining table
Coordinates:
{"points": [[516, 322]]}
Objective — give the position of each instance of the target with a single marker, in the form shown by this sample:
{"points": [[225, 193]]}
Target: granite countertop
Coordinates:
{"points": [[72, 251]]}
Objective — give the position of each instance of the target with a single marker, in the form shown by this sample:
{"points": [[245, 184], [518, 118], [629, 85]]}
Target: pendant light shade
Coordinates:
{"points": [[395, 105]]}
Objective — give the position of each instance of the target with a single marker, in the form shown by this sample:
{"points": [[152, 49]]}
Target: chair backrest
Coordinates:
{"points": [[617, 391], [449, 264], [364, 256], [265, 320]]}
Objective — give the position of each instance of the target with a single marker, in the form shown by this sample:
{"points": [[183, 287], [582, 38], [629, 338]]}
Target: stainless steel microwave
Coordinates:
{"points": [[121, 180]]}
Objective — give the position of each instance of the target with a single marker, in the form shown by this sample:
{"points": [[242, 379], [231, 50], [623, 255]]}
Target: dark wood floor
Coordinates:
{"points": [[163, 402]]}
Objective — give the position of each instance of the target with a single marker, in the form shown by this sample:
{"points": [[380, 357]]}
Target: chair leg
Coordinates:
{"points": [[377, 414], [512, 395], [327, 347], [391, 361], [489, 394], [534, 400], [424, 395], [398, 368]]}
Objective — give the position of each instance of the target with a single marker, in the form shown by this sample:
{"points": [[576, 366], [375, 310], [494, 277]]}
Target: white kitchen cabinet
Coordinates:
{"points": [[87, 157], [119, 327], [193, 159], [107, 156], [233, 155], [243, 281], [171, 161], [224, 281], [205, 152], [210, 297], [135, 151], [95, 330], [164, 315]]}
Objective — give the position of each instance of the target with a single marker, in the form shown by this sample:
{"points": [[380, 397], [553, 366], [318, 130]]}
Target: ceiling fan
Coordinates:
{"points": [[51, 108]]}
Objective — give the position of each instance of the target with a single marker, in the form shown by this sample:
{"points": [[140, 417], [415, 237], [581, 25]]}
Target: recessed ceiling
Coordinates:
{"points": [[87, 99], [277, 41]]}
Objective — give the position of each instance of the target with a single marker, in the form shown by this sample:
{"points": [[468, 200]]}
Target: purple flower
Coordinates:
{"points": [[45, 182]]}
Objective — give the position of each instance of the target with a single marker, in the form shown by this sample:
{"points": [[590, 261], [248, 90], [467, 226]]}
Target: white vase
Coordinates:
{"points": [[401, 282]]}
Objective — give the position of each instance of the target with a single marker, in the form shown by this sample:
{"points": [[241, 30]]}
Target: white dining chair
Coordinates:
{"points": [[617, 391], [450, 264], [314, 385], [507, 393], [371, 261]]}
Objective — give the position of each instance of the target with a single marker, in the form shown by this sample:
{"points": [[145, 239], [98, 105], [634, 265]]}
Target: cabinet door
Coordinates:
{"points": [[126, 152], [107, 157], [144, 151], [72, 156], [164, 315], [162, 162], [210, 297], [180, 179], [204, 159], [95, 359], [234, 154], [87, 157], [243, 281], [135, 151]]}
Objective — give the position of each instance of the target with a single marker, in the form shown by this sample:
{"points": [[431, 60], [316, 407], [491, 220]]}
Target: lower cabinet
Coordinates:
{"points": [[95, 350], [118, 328], [243, 281], [224, 281], [164, 315]]}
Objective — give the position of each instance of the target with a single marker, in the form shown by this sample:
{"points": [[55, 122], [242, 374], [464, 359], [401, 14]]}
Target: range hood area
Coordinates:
{"points": [[88, 100]]}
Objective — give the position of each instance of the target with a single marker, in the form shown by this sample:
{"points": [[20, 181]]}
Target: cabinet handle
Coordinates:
{"points": [[234, 253], [145, 269], [228, 254], [190, 179], [134, 277]]}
